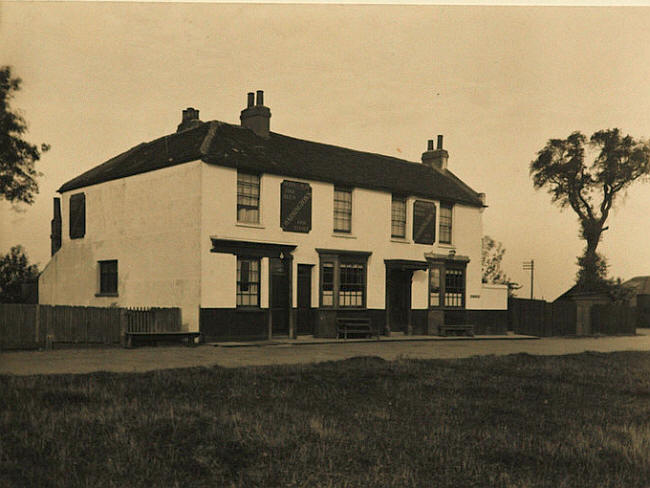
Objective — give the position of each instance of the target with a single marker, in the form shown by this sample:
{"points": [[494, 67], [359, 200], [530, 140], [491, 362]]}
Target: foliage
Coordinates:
{"points": [[364, 422], [17, 157], [14, 271], [492, 253], [612, 287], [590, 190]]}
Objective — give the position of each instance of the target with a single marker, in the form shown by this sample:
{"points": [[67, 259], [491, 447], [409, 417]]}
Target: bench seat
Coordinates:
{"points": [[346, 326], [458, 329], [135, 338]]}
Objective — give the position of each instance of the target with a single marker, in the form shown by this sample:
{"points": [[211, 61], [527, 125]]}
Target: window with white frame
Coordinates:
{"points": [[447, 285], [342, 210], [343, 280], [248, 198], [248, 282], [398, 217], [446, 210]]}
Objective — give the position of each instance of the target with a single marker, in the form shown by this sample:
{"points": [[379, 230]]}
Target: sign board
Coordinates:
{"points": [[424, 222], [295, 206]]}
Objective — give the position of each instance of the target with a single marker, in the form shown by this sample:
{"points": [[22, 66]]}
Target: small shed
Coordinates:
{"points": [[584, 300]]}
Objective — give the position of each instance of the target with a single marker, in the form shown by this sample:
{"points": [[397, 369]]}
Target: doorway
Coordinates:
{"points": [[398, 283], [303, 314], [279, 296]]}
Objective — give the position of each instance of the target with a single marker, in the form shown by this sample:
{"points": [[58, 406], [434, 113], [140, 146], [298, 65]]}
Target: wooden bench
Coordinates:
{"points": [[135, 338], [346, 326], [458, 329]]}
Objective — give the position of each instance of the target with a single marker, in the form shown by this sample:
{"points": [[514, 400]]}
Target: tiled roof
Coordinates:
{"points": [[641, 285], [229, 145]]}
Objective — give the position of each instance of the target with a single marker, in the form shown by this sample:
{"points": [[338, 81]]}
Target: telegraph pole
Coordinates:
{"points": [[530, 266]]}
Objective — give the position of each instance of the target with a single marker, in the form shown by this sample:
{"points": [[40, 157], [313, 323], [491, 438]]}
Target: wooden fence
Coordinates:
{"points": [[544, 319], [541, 318], [613, 319], [40, 326]]}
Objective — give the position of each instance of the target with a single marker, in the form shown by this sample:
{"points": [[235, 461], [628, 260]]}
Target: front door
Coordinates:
{"points": [[303, 317], [279, 296], [399, 298]]}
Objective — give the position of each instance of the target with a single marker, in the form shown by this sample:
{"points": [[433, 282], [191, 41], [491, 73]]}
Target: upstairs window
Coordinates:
{"points": [[248, 198], [248, 282], [342, 210], [108, 277], [77, 215], [445, 223], [398, 217]]}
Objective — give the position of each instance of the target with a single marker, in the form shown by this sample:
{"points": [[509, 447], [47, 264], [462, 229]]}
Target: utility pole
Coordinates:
{"points": [[530, 266]]}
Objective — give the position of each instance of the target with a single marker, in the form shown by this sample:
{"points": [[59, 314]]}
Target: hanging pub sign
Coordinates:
{"points": [[424, 222], [295, 208]]}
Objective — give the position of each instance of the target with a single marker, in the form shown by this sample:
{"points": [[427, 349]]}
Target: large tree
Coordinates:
{"points": [[15, 271], [590, 189], [17, 157]]}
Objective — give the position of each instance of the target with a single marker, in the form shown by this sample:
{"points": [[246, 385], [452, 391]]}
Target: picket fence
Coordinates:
{"points": [[30, 326]]}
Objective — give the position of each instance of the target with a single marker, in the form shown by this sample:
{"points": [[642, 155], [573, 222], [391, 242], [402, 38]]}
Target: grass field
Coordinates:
{"points": [[512, 421]]}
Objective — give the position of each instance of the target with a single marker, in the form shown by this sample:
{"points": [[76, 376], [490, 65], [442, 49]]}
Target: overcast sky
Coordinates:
{"points": [[498, 82]]}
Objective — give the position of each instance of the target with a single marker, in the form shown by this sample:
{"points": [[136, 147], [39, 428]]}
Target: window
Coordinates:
{"points": [[248, 198], [343, 280], [342, 210], [248, 282], [327, 284], [108, 277], [447, 285], [445, 223], [434, 286], [398, 217], [454, 287], [352, 285], [77, 215]]}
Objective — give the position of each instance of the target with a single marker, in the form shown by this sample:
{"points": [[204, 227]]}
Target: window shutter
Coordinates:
{"points": [[424, 222], [77, 216]]}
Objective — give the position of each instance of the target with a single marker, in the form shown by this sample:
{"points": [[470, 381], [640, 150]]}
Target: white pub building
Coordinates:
{"points": [[255, 234]]}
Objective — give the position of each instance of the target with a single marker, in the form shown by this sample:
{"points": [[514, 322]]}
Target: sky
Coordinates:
{"points": [[497, 82]]}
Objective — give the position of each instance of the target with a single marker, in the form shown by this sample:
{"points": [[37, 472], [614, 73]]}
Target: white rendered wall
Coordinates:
{"points": [[371, 229], [494, 297], [150, 224]]}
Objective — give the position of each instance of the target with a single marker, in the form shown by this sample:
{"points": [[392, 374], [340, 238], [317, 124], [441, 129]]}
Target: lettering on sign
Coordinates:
{"points": [[424, 222], [295, 208]]}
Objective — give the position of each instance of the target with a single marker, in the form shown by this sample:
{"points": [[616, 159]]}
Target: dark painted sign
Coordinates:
{"points": [[295, 208], [424, 222]]}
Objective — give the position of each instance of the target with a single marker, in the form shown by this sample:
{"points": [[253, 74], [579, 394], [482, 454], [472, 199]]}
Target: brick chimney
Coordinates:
{"points": [[256, 116], [55, 235], [436, 158], [190, 119]]}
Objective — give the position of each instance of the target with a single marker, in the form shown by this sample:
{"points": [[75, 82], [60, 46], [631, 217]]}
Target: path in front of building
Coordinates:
{"points": [[151, 358]]}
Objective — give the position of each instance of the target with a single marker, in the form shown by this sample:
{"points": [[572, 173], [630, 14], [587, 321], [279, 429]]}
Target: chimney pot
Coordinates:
{"points": [[189, 120], [256, 117], [435, 158]]}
